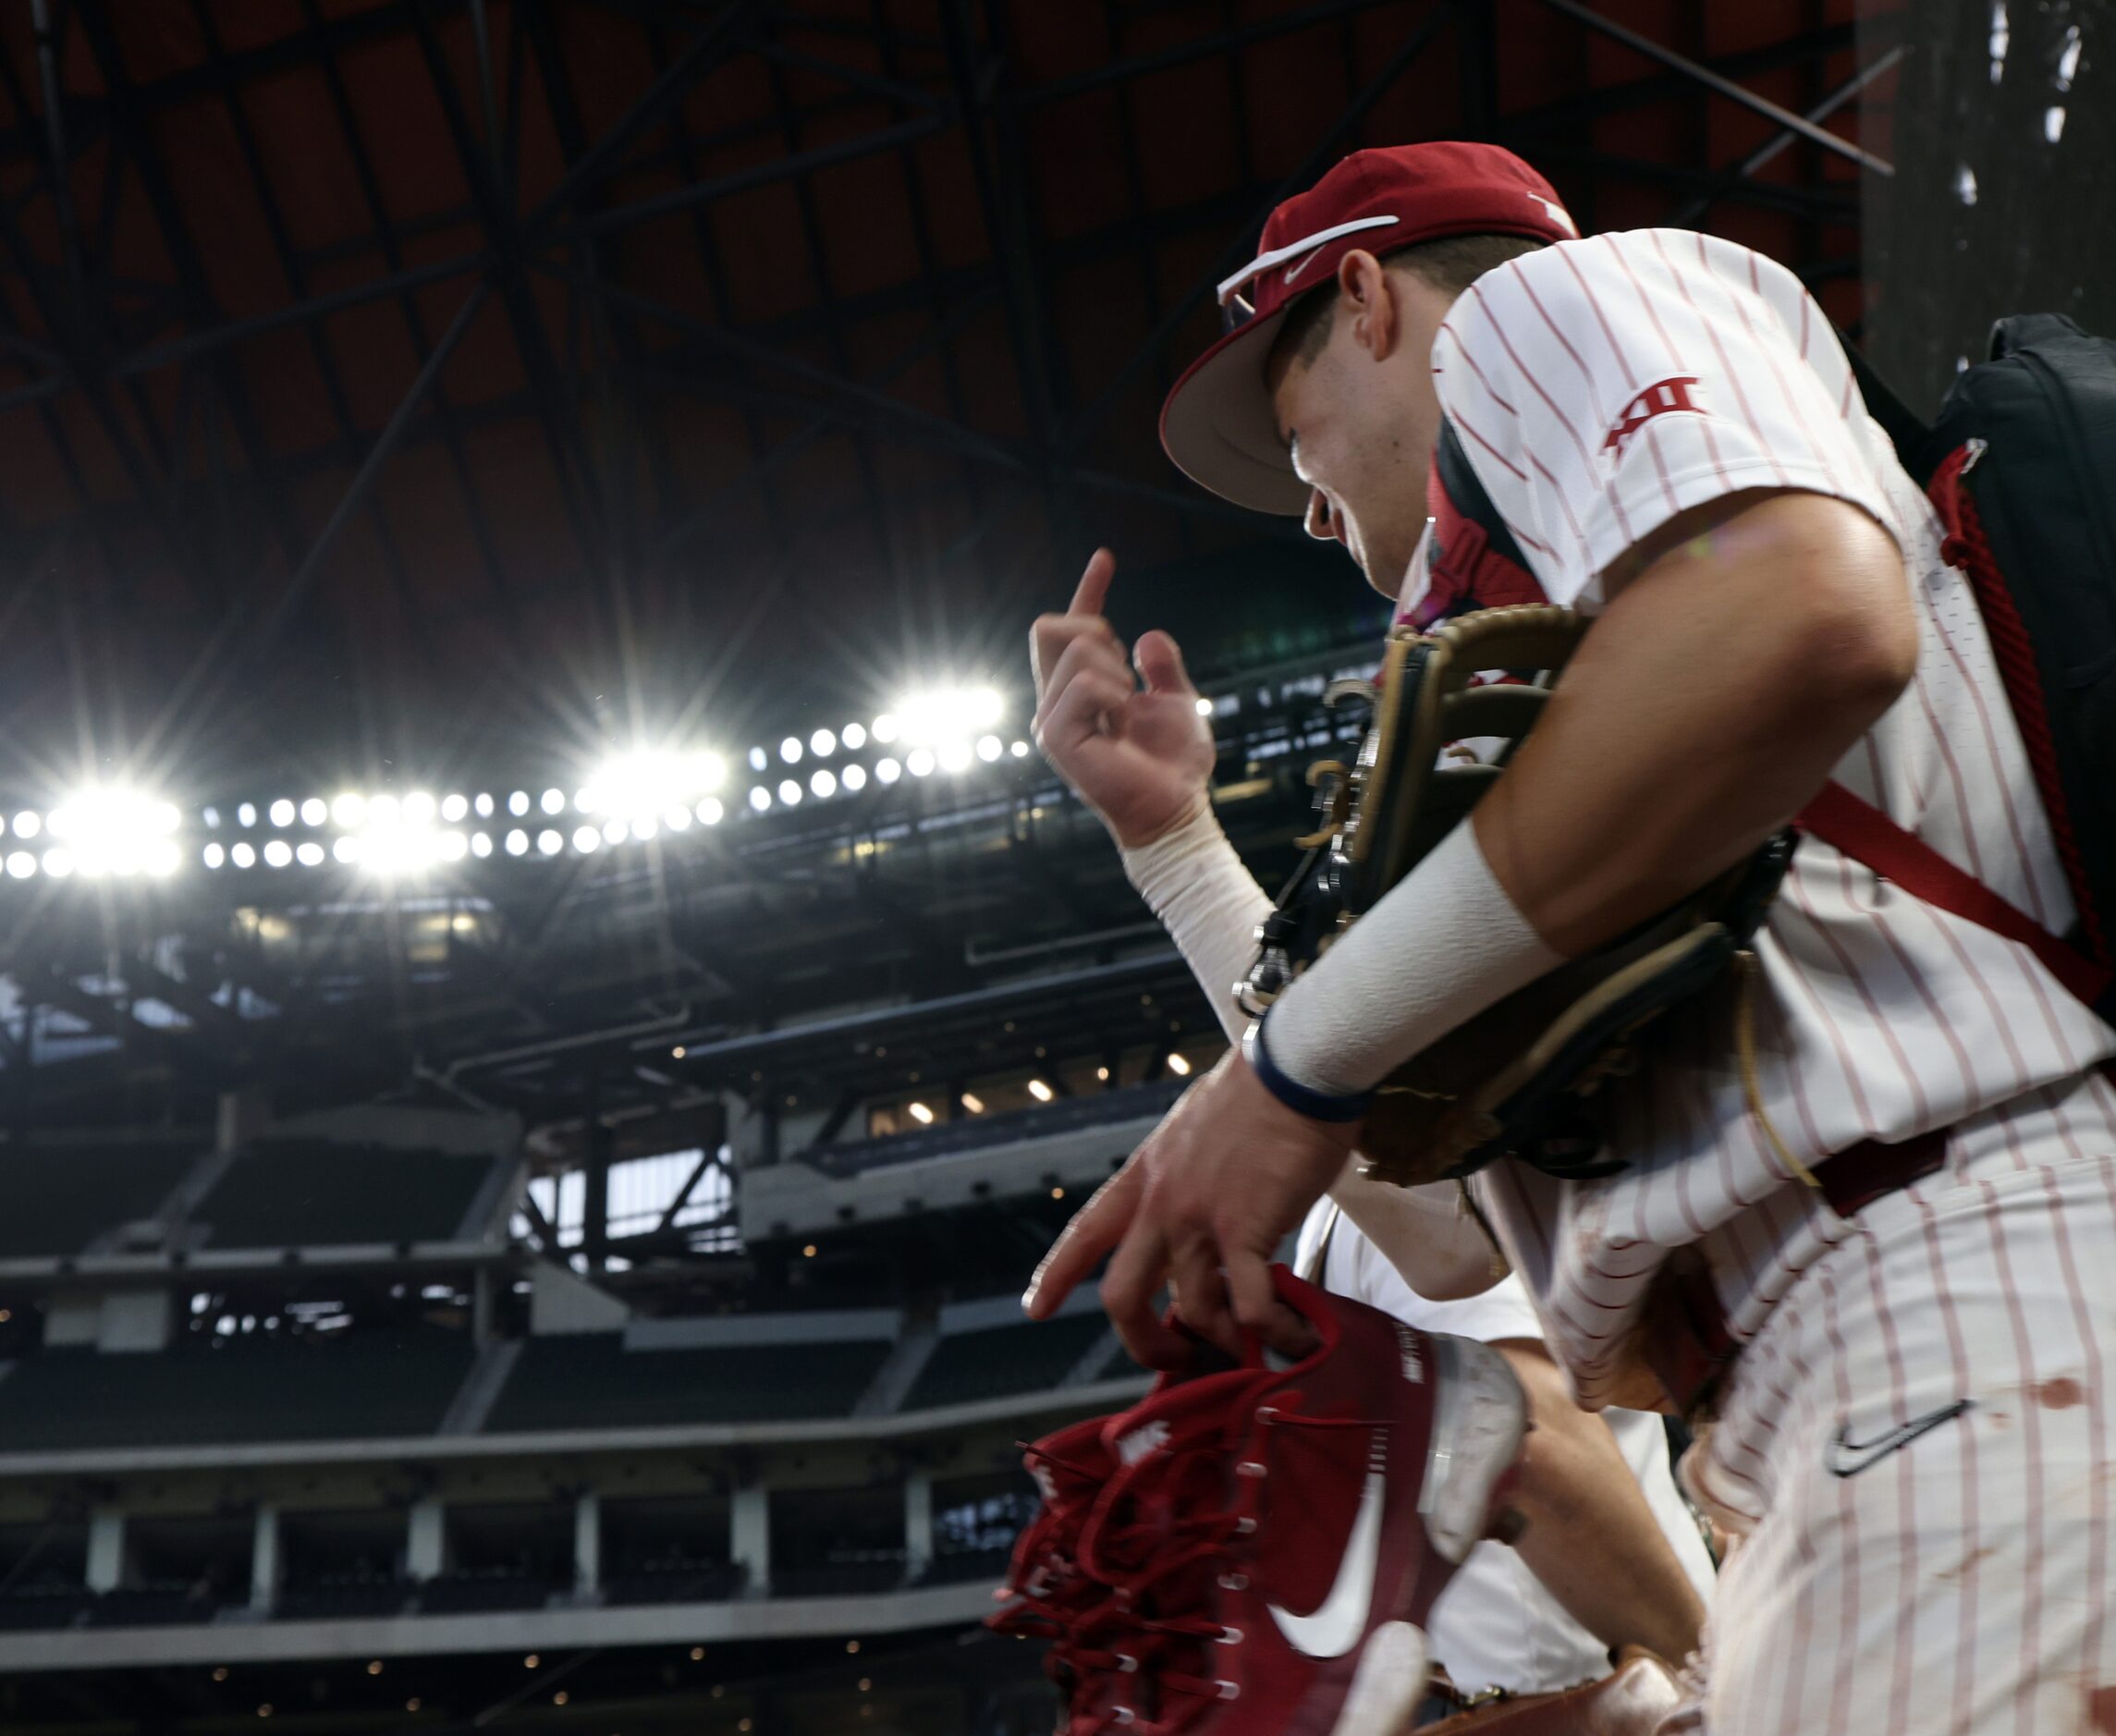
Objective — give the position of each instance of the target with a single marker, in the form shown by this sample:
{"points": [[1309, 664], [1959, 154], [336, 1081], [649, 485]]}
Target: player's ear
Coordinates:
{"points": [[1370, 296]]}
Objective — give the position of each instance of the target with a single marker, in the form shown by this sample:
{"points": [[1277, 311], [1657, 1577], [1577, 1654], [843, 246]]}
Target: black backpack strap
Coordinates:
{"points": [[1910, 434], [1458, 478]]}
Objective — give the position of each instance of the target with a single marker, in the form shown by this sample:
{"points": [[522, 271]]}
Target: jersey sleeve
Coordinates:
{"points": [[1602, 386]]}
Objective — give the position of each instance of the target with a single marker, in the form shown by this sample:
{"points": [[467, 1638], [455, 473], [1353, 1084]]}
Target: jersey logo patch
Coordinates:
{"points": [[1661, 399]]}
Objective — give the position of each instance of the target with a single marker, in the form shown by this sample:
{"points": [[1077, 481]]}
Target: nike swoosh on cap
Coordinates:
{"points": [[1337, 1623], [1300, 265]]}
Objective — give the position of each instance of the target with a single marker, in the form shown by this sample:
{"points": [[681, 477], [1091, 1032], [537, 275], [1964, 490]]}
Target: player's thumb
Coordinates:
{"points": [[1160, 664]]}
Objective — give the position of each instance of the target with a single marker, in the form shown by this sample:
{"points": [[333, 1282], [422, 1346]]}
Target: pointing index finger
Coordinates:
{"points": [[1093, 584]]}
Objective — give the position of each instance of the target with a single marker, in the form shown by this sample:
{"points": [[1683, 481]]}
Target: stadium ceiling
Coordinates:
{"points": [[423, 383]]}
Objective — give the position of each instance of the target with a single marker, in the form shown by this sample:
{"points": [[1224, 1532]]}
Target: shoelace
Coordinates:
{"points": [[1153, 1643], [1053, 1596]]}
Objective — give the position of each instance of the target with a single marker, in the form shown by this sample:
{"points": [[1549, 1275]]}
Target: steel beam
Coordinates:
{"points": [[1745, 169], [1727, 88]]}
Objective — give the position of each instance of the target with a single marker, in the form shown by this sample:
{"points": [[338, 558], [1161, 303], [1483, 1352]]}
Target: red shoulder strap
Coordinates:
{"points": [[1867, 835]]}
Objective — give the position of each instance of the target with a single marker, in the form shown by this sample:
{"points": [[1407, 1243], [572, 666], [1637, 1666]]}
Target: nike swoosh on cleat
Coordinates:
{"points": [[1337, 1623], [1846, 1457]]}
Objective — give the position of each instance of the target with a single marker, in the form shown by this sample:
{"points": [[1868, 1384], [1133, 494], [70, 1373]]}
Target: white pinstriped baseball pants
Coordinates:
{"points": [[1956, 1578]]}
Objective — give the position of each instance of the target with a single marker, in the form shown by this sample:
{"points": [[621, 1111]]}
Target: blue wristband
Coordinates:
{"points": [[1317, 1106]]}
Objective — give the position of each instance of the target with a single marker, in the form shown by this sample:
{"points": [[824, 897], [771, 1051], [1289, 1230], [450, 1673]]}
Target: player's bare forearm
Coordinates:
{"points": [[1591, 1538], [1759, 639]]}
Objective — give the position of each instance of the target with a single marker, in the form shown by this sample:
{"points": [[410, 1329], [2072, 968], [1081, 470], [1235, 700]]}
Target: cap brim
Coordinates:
{"points": [[1218, 424]]}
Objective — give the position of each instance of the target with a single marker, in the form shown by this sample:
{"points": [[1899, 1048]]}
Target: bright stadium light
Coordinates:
{"points": [[950, 714], [676, 819], [419, 809], [853, 737], [1040, 1091], [919, 762], [517, 804], [954, 756], [710, 770], [246, 814], [517, 842], [282, 813], [316, 810], [555, 801], [309, 853], [485, 804], [350, 810], [1205, 706], [278, 853], [759, 759], [111, 830], [854, 778], [28, 825], [242, 856], [345, 850], [789, 749], [921, 1114], [885, 728], [825, 784], [823, 744], [480, 845], [973, 1102], [549, 843], [887, 770], [710, 812], [586, 838], [1019, 750], [58, 863], [21, 865], [789, 793], [615, 832], [760, 799], [213, 855], [989, 747], [451, 845], [455, 809], [1179, 1066]]}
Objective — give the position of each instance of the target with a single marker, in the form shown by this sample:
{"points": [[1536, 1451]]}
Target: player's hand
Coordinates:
{"points": [[1140, 756], [1202, 1205]]}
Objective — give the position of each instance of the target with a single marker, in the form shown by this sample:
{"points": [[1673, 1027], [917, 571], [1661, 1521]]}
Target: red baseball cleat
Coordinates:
{"points": [[1273, 1539], [1047, 1594]]}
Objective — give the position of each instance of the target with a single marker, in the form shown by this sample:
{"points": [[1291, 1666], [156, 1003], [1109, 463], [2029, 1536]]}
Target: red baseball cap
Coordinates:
{"points": [[1217, 424]]}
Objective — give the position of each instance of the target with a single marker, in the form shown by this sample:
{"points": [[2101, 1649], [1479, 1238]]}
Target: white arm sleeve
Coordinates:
{"points": [[1209, 903], [1443, 945]]}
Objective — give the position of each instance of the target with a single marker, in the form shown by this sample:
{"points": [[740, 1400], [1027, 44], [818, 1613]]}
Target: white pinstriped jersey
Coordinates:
{"points": [[1600, 386]]}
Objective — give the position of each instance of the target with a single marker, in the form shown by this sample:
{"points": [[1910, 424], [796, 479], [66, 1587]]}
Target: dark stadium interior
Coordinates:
{"points": [[518, 1181]]}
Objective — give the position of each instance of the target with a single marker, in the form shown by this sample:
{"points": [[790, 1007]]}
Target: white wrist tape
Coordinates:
{"points": [[1444, 945], [1210, 905]]}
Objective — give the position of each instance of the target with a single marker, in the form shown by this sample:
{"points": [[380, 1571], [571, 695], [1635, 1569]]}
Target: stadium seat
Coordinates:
{"points": [[678, 1582], [59, 1199], [310, 1193], [1000, 1360], [592, 1380], [365, 1386]]}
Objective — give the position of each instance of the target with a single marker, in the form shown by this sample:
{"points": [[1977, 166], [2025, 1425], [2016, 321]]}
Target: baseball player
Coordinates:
{"points": [[1873, 1265], [1610, 1555]]}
